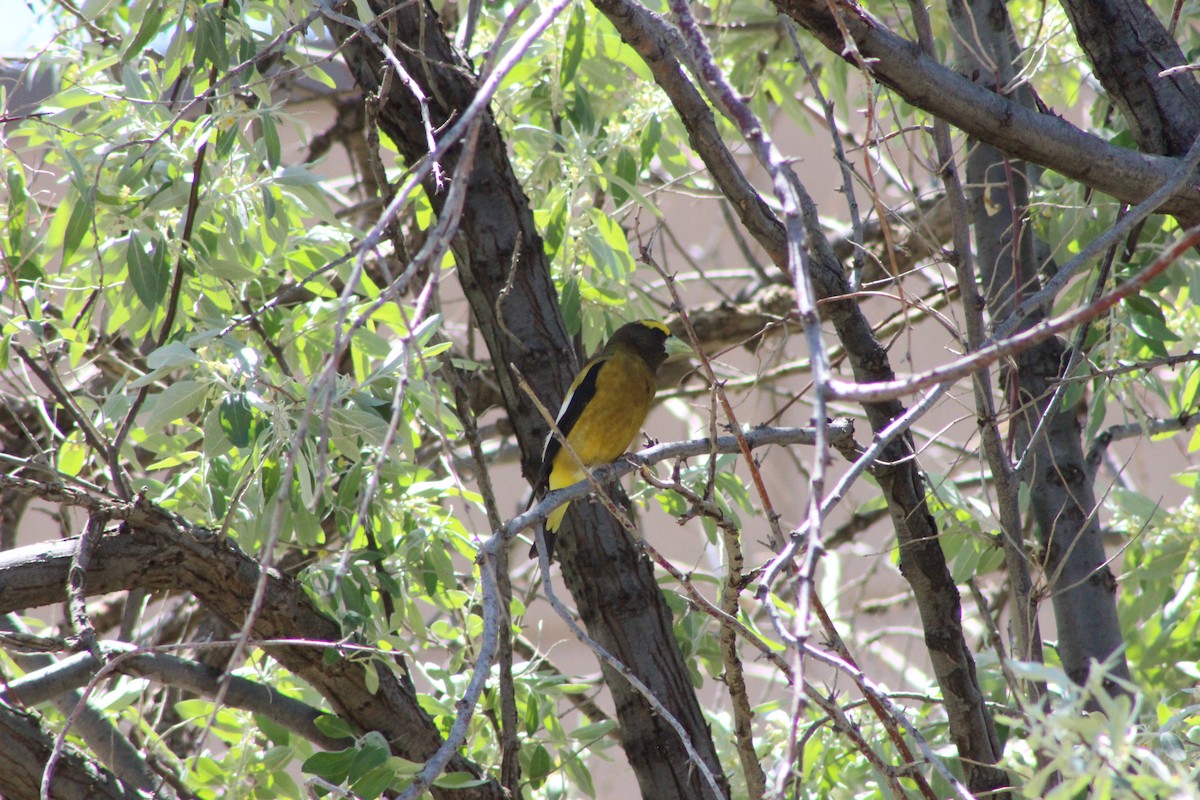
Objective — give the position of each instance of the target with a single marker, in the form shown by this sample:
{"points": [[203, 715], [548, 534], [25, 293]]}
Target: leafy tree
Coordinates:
{"points": [[262, 380]]}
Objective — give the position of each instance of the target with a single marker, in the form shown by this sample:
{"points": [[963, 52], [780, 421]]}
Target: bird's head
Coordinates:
{"points": [[651, 340]]}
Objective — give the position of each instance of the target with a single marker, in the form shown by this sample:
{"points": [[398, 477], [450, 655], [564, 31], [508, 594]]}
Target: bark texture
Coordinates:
{"points": [[506, 278], [25, 749], [921, 558], [150, 552], [1043, 139], [1077, 579], [1128, 47]]}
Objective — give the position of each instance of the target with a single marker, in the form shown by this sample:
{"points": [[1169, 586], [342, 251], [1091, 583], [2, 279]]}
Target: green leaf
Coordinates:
{"points": [[275, 733], [82, 213], [332, 766], [458, 780], [371, 677], [540, 765], [210, 38], [297, 176], [651, 137], [593, 731], [581, 112], [148, 271], [333, 726], [627, 171], [556, 226], [271, 139], [1172, 747], [571, 304], [532, 714], [236, 419], [375, 782], [573, 47], [71, 455], [170, 356], [146, 31], [176, 402], [18, 198]]}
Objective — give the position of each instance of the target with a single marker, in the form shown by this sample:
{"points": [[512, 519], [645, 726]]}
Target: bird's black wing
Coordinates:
{"points": [[582, 390]]}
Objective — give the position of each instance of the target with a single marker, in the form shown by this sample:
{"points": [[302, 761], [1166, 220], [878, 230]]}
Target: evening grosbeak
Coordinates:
{"points": [[604, 409]]}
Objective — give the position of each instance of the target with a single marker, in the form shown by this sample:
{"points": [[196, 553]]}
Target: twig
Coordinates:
{"points": [[415, 88], [465, 706], [791, 196], [706, 365], [1181, 175], [510, 765], [881, 391], [620, 669], [1004, 474], [1184, 422], [85, 634], [842, 429], [866, 686], [897, 428], [67, 401]]}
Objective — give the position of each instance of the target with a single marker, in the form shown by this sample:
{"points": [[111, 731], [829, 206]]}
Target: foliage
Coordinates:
{"points": [[181, 261]]}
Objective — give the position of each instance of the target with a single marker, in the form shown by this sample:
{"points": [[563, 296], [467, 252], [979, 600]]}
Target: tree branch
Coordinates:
{"points": [[1044, 139], [157, 551]]}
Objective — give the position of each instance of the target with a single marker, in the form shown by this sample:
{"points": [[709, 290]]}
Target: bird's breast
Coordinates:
{"points": [[610, 424]]}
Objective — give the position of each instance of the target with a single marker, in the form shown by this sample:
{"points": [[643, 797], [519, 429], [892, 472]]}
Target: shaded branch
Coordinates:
{"points": [[200, 679], [1044, 139], [25, 746], [156, 551], [1150, 427]]}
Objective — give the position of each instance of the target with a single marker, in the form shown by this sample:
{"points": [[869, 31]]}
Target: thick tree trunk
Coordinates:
{"points": [[1128, 47], [1043, 139], [921, 558], [1079, 583], [506, 278]]}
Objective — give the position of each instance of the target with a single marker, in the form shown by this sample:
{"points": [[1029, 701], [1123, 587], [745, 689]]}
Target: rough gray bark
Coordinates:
{"points": [[1026, 632], [506, 279], [921, 558], [1080, 585], [25, 749], [151, 552], [1128, 47], [1043, 139], [54, 679]]}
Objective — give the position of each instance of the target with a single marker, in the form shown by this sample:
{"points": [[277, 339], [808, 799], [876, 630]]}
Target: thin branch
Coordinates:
{"points": [[1043, 138], [1182, 174], [1004, 474], [85, 634], [201, 679], [889, 390], [841, 430], [465, 705], [621, 669], [510, 765], [867, 687], [1184, 422], [413, 87]]}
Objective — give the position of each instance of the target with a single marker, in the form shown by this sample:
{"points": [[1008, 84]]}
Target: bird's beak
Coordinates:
{"points": [[678, 348]]}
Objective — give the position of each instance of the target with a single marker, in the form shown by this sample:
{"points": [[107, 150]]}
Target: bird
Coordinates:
{"points": [[604, 410]]}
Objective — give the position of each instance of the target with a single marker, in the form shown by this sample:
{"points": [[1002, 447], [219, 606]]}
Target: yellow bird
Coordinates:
{"points": [[604, 409]]}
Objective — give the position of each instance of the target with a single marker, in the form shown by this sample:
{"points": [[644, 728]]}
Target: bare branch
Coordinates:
{"points": [[1044, 139]]}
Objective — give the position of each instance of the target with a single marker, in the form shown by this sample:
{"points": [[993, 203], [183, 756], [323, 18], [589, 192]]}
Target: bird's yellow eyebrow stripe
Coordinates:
{"points": [[656, 325]]}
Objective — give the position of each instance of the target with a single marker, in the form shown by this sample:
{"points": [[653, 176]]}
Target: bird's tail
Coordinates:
{"points": [[550, 533]]}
